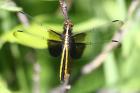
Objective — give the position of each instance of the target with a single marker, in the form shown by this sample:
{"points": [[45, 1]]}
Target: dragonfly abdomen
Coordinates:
{"points": [[65, 57]]}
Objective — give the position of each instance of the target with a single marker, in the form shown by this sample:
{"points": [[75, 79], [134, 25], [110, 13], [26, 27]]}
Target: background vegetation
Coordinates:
{"points": [[27, 67]]}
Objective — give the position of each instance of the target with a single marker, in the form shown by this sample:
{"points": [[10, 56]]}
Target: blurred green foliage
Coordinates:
{"points": [[23, 58]]}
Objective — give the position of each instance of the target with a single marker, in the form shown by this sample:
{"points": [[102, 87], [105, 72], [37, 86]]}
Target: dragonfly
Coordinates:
{"points": [[70, 45]]}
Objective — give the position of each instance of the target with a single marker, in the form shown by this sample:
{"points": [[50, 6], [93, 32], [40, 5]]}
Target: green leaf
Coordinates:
{"points": [[30, 40], [3, 87], [89, 83], [36, 36], [111, 74], [114, 10], [9, 6], [89, 24]]}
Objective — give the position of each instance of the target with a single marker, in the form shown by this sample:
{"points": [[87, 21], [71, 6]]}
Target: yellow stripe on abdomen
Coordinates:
{"points": [[64, 66]]}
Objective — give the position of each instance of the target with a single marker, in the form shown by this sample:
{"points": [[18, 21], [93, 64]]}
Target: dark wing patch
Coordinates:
{"points": [[55, 48], [77, 50], [77, 46]]}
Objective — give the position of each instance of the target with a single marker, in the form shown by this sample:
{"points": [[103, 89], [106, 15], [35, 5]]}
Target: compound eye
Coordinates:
{"points": [[68, 23]]}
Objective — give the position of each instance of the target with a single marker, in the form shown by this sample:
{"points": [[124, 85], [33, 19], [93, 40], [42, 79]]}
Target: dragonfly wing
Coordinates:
{"points": [[80, 37], [90, 43], [98, 35], [77, 50], [55, 47], [52, 35], [35, 37], [54, 43]]}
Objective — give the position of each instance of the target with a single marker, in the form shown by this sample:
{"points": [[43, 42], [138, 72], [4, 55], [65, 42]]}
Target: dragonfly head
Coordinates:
{"points": [[68, 24]]}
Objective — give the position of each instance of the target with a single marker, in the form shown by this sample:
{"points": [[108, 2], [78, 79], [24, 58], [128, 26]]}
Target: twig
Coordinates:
{"points": [[36, 78], [133, 6], [111, 45], [23, 19], [102, 56], [63, 7], [36, 71], [36, 67], [63, 88]]}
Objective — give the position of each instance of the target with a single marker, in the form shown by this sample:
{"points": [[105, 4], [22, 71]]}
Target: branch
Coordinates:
{"points": [[36, 67], [102, 56], [94, 64], [63, 88], [23, 19], [31, 57], [63, 6], [36, 78], [133, 7]]}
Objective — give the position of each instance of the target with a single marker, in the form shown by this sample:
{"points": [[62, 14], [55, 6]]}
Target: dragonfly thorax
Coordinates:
{"points": [[67, 34], [68, 25]]}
